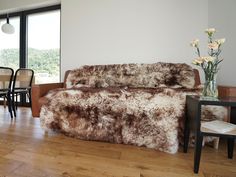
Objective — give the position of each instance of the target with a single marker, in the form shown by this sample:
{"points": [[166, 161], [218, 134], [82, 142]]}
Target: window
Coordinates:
{"points": [[44, 46], [9, 45], [35, 43]]}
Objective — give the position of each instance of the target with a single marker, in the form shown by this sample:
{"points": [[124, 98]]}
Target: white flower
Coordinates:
{"points": [[213, 45], [194, 62], [208, 58], [210, 31], [200, 60], [220, 41], [210, 64], [194, 43]]}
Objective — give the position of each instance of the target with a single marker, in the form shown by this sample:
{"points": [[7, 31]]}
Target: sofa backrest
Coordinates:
{"points": [[197, 78], [65, 78], [174, 75]]}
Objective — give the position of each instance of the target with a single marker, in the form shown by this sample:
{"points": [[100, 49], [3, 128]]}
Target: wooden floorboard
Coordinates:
{"points": [[27, 151]]}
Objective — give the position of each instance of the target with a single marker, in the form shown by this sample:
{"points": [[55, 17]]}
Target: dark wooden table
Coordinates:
{"points": [[193, 122]]}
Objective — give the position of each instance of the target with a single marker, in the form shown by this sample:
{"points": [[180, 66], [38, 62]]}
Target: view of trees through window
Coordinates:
{"points": [[44, 46], [45, 63], [43, 52], [42, 61]]}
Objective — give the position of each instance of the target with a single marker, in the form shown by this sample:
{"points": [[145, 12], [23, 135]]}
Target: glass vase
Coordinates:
{"points": [[210, 87]]}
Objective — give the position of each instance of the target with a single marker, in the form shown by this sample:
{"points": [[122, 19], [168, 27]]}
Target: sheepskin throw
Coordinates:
{"points": [[133, 75], [142, 105], [143, 117]]}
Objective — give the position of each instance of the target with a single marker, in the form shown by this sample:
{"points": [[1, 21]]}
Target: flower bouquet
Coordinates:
{"points": [[210, 63]]}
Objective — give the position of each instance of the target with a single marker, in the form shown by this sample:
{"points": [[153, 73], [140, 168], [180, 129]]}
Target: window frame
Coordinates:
{"points": [[23, 31], [23, 40]]}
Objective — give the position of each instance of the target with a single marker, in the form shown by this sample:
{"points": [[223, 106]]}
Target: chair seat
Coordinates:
{"points": [[23, 90], [3, 92]]}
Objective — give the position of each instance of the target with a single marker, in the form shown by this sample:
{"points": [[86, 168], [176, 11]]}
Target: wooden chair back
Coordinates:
{"points": [[6, 76]]}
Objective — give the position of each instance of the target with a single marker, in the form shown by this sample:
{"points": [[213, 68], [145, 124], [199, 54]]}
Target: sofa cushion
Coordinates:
{"points": [[172, 75]]}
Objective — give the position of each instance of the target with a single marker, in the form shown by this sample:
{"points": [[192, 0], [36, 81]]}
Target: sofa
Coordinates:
{"points": [[137, 104]]}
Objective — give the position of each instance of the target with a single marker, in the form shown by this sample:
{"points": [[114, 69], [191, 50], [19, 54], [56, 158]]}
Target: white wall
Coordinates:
{"points": [[125, 31], [222, 16], [7, 6]]}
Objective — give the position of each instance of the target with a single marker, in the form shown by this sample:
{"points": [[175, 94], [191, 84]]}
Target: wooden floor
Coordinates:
{"points": [[26, 151]]}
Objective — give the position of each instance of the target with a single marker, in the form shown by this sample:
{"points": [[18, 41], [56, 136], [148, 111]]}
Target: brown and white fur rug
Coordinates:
{"points": [[153, 118]]}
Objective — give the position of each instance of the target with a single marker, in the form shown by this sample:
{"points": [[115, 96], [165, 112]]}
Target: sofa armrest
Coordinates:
{"points": [[38, 91], [197, 78]]}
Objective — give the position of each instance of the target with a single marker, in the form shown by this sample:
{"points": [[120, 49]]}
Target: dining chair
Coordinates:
{"points": [[22, 86], [6, 76]]}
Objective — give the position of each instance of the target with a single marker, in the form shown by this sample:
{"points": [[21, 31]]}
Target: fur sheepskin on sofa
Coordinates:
{"points": [[133, 75], [143, 117], [93, 108]]}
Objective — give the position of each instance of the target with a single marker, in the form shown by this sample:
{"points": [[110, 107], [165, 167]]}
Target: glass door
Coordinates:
{"points": [[44, 46]]}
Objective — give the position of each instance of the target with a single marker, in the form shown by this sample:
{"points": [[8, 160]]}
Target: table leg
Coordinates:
{"points": [[186, 137], [13, 104], [9, 104], [231, 140], [4, 102], [197, 153], [230, 147], [216, 143], [186, 131]]}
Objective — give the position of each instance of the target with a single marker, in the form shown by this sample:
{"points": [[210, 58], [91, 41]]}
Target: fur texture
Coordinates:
{"points": [[142, 116], [133, 75]]}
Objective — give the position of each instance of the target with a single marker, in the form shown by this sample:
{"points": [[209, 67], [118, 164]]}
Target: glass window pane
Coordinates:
{"points": [[9, 44], [44, 46]]}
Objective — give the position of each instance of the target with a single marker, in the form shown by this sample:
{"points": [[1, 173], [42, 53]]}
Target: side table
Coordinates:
{"points": [[193, 122]]}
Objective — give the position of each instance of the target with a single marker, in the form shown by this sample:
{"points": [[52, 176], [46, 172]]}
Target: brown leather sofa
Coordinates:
{"points": [[138, 104], [40, 90]]}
